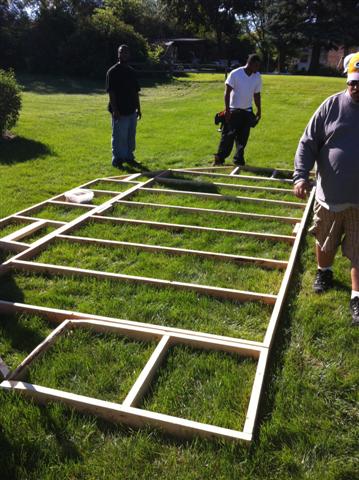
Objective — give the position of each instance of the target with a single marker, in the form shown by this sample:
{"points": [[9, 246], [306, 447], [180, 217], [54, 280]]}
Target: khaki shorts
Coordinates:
{"points": [[334, 228]]}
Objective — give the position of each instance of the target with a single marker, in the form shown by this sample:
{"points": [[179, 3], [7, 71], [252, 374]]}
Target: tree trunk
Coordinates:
{"points": [[280, 61], [219, 38], [314, 61]]}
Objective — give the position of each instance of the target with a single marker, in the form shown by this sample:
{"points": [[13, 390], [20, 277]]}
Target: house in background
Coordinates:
{"points": [[331, 58]]}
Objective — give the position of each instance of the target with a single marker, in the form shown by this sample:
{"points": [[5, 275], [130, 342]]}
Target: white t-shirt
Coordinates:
{"points": [[244, 87]]}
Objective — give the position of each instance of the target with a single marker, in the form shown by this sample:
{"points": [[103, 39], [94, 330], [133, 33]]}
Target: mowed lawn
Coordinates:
{"points": [[308, 423]]}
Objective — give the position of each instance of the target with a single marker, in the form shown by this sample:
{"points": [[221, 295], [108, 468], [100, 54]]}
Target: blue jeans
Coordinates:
{"points": [[123, 138]]}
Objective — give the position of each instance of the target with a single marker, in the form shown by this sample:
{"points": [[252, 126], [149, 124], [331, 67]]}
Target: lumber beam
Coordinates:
{"points": [[255, 216], [25, 231], [274, 320], [57, 315], [42, 242], [19, 372], [51, 223], [136, 417], [225, 293], [177, 226], [61, 203], [143, 381], [246, 177], [262, 262], [230, 186], [235, 198], [4, 369], [13, 246]]}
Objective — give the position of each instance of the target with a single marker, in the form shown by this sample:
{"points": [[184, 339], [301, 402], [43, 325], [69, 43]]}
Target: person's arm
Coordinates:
{"points": [[307, 153], [112, 95], [138, 103], [113, 102], [257, 102], [227, 98], [138, 106]]}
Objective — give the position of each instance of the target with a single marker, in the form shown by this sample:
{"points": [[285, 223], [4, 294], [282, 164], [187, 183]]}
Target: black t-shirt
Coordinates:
{"points": [[121, 79]]}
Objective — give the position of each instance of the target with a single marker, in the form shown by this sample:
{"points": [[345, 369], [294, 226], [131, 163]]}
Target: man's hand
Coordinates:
{"points": [[139, 114], [258, 115], [116, 114], [301, 189]]}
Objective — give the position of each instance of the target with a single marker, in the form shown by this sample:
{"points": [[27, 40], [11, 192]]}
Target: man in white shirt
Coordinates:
{"points": [[243, 85]]}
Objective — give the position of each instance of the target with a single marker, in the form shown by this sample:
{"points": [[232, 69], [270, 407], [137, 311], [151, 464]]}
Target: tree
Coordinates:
{"points": [[329, 24], [205, 16], [149, 17], [92, 48]]}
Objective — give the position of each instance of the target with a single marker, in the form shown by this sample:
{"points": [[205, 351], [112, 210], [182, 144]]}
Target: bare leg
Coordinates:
{"points": [[354, 302], [325, 259], [355, 278]]}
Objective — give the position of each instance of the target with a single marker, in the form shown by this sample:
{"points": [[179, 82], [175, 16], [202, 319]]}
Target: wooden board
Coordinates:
{"points": [[166, 336]]}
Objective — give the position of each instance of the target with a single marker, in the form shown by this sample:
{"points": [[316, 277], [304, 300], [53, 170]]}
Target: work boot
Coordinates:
{"points": [[354, 310], [239, 162], [218, 162], [323, 281]]}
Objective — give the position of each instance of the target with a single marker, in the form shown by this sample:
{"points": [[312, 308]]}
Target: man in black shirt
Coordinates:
{"points": [[124, 106]]}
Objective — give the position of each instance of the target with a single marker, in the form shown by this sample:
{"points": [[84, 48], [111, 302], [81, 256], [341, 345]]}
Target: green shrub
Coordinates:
{"points": [[92, 49], [10, 100]]}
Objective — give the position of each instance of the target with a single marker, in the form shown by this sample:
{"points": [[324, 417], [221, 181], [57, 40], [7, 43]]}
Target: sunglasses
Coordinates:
{"points": [[353, 83]]}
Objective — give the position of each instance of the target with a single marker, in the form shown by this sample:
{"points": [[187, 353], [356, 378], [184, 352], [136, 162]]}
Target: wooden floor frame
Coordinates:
{"points": [[129, 410]]}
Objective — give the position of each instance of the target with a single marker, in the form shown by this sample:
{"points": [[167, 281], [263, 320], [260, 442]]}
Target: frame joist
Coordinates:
{"points": [[262, 262], [244, 177], [218, 196], [56, 316], [116, 413], [232, 186], [255, 216], [177, 226], [225, 293], [129, 411]]}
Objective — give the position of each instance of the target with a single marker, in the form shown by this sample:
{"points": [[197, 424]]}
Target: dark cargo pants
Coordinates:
{"points": [[236, 130]]}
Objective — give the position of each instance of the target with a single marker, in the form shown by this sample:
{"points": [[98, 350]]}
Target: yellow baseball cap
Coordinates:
{"points": [[353, 67]]}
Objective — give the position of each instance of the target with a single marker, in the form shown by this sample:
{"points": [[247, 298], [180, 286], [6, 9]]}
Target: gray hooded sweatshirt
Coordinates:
{"points": [[331, 140]]}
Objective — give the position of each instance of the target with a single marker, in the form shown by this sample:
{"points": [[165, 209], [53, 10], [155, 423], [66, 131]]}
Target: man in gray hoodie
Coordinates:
{"points": [[331, 141]]}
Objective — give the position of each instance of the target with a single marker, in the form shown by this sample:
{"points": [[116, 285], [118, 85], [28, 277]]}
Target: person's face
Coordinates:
{"points": [[254, 67], [123, 54], [353, 89]]}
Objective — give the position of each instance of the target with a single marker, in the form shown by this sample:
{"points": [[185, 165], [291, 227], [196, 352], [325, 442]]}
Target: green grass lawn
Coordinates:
{"points": [[308, 426]]}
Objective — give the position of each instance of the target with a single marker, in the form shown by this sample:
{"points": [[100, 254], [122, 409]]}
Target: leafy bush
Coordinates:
{"points": [[10, 101], [92, 49]]}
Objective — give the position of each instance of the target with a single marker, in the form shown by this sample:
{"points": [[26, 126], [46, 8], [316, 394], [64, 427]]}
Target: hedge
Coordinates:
{"points": [[10, 101]]}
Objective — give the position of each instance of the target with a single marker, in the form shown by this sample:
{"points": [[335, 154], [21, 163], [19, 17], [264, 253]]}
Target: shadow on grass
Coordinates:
{"points": [[21, 336], [57, 426], [8, 450], [22, 149], [280, 345], [135, 167], [49, 85], [181, 183]]}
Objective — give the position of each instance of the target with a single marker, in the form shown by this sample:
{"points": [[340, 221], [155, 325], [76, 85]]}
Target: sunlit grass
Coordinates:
{"points": [[309, 413]]}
